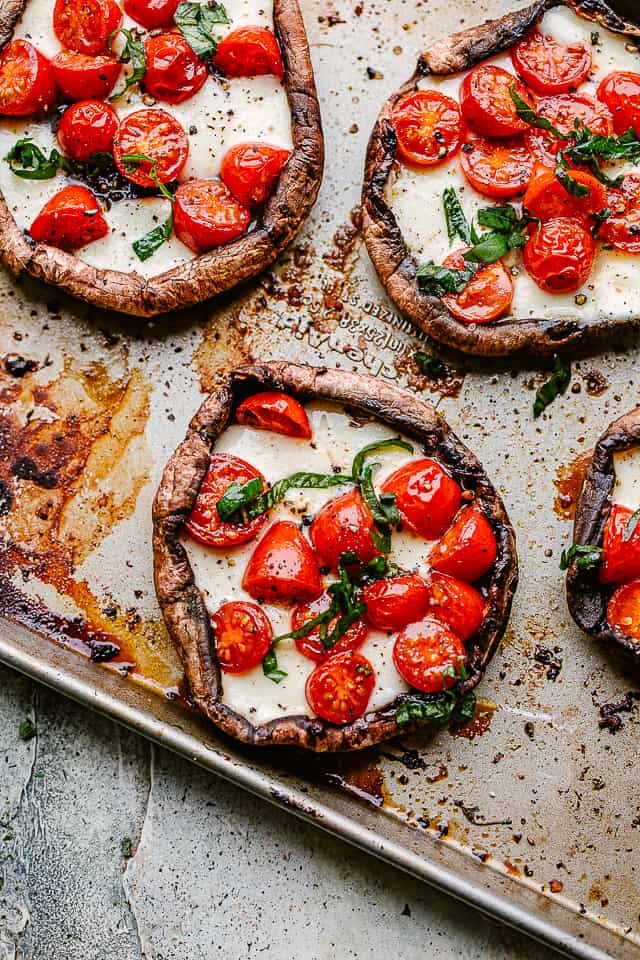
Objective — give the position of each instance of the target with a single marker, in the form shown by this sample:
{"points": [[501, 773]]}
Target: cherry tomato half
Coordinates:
{"points": [[487, 104], [154, 134], [206, 215], [311, 646], [80, 77], [622, 229], [343, 525], [203, 523], [497, 169], [549, 66], [546, 198], [426, 655], [27, 83], [486, 297], [392, 604], [620, 558], [620, 91], [428, 128], [456, 603], [559, 255], [174, 73], [70, 220], [250, 171], [87, 127], [85, 25], [623, 610], [151, 13], [562, 111], [426, 497], [468, 549], [243, 635], [282, 566], [249, 52], [275, 411], [339, 689]]}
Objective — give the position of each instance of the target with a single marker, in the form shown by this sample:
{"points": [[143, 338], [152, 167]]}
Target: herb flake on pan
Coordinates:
{"points": [[437, 708], [196, 24], [133, 54], [587, 557], [631, 526], [457, 224], [555, 386], [429, 365], [27, 730]]}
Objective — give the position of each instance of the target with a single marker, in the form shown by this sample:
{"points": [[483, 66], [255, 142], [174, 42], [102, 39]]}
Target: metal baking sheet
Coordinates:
{"points": [[531, 812]]}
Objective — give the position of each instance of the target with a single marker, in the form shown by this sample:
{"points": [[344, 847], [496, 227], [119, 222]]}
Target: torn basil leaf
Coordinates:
{"points": [[146, 246], [236, 495], [492, 246], [555, 386], [196, 23], [439, 281], [28, 161], [276, 493], [630, 528], [431, 366], [436, 708], [570, 184], [360, 457], [526, 113], [133, 54], [587, 557], [600, 218], [270, 667], [456, 221]]}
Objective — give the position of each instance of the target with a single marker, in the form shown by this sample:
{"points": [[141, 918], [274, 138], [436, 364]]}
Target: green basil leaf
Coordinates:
{"points": [[526, 112], [456, 221], [196, 24], [587, 557], [570, 184], [630, 528], [276, 493], [146, 246], [600, 218], [342, 625], [26, 729], [436, 708], [28, 161], [492, 246], [270, 667], [557, 384], [439, 281], [500, 219], [429, 365], [464, 710], [133, 53], [361, 455], [236, 495], [390, 508], [133, 160]]}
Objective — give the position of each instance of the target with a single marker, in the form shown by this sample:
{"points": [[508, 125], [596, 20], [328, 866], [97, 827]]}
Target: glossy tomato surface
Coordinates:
{"points": [[282, 566], [243, 635], [487, 104], [620, 91], [468, 549], [80, 77], [620, 558], [623, 610], [70, 220], [486, 297], [562, 111], [151, 13], [496, 168], [275, 411], [393, 603], [546, 197], [206, 215], [27, 83], [174, 72], [339, 689], [203, 523], [548, 66], [87, 127], [426, 497], [428, 128], [427, 655], [249, 52], [622, 229], [311, 645], [251, 170], [85, 25], [154, 134], [559, 255], [456, 603], [343, 525]]}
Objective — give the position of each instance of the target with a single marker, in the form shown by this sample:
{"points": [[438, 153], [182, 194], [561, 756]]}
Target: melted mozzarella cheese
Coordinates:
{"points": [[415, 196], [626, 491]]}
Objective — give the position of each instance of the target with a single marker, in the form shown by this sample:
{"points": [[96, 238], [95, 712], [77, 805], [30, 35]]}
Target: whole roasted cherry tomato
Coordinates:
{"points": [[622, 229], [70, 220], [428, 655], [456, 603], [343, 525], [620, 91], [87, 127], [243, 635], [487, 104], [311, 645], [546, 198], [85, 25], [27, 84], [562, 111], [282, 566], [151, 13], [174, 72], [392, 604], [275, 411], [426, 497], [203, 522], [339, 689], [428, 128], [547, 65], [497, 169], [249, 52], [468, 549], [154, 134], [80, 77], [486, 296], [250, 171], [559, 255], [620, 558], [623, 610], [206, 215]]}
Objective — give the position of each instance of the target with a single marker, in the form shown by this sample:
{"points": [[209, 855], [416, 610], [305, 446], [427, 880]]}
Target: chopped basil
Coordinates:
{"points": [[27, 161], [276, 494], [457, 224], [429, 365], [439, 281], [557, 384], [147, 245], [493, 246], [630, 528], [236, 495], [270, 667], [458, 672], [437, 708], [126, 847], [27, 730], [600, 218], [196, 24], [526, 112], [133, 54], [570, 184], [360, 457], [503, 219], [587, 557], [133, 160]]}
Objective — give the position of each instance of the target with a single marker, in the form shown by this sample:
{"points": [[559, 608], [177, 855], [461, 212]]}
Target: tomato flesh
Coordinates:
{"points": [[87, 127], [339, 689], [69, 220], [343, 525], [27, 83], [546, 198], [243, 635], [392, 604], [250, 171], [80, 77], [282, 566], [562, 111], [311, 645], [620, 557], [456, 603], [497, 169], [486, 297], [486, 102], [206, 215], [428, 128], [559, 255], [203, 523], [275, 411], [620, 91], [151, 13], [85, 25], [468, 549], [427, 498], [623, 610], [547, 65], [622, 229], [174, 73], [427, 654], [249, 52], [154, 134]]}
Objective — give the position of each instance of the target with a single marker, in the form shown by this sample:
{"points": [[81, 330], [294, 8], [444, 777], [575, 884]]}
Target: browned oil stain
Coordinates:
{"points": [[556, 886], [568, 483], [346, 238], [359, 776], [511, 869], [224, 345], [595, 382], [479, 723], [442, 774]]}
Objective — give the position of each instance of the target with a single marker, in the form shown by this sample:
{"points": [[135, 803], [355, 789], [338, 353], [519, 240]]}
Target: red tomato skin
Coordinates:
{"points": [[486, 102], [339, 689], [80, 77], [277, 412], [623, 610], [620, 91], [426, 497], [151, 14], [69, 220], [249, 52], [282, 566], [498, 169], [84, 26], [392, 604], [562, 110], [468, 549], [174, 73], [547, 199], [620, 558], [622, 229], [547, 66], [455, 603], [559, 255], [343, 525], [250, 171], [243, 635], [424, 650], [486, 297], [156, 134], [428, 128], [27, 82], [203, 523], [311, 645], [205, 215], [87, 127]]}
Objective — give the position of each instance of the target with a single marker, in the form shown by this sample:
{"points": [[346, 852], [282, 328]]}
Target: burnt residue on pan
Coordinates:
{"points": [[568, 482]]}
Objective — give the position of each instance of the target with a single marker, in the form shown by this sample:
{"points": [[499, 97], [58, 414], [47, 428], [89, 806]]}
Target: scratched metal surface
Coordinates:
{"points": [[532, 811]]}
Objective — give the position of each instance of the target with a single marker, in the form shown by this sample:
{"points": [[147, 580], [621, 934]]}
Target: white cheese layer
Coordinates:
{"points": [[626, 491], [416, 196]]}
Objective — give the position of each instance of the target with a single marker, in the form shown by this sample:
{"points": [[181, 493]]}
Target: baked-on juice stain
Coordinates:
{"points": [[568, 483]]}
